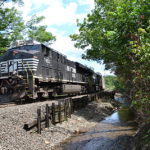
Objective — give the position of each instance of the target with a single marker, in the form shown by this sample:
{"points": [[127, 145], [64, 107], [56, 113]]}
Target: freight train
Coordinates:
{"points": [[30, 69]]}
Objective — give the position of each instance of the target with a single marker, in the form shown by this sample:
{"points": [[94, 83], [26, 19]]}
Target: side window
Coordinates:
{"points": [[50, 53], [62, 59], [54, 56], [45, 51]]}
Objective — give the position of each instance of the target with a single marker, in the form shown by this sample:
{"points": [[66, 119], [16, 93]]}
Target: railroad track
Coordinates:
{"points": [[10, 104], [23, 102], [6, 103]]}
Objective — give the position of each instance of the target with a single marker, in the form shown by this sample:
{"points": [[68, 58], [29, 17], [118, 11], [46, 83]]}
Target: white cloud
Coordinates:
{"points": [[55, 13], [90, 3], [58, 14]]}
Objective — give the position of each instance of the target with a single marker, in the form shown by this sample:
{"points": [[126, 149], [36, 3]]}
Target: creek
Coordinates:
{"points": [[115, 132]]}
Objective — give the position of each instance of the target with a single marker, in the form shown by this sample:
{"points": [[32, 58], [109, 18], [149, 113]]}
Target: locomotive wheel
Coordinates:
{"points": [[50, 95], [40, 95], [11, 91], [54, 94]]}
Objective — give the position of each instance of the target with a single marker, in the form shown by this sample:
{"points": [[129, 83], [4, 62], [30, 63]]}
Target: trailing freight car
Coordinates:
{"points": [[30, 70]]}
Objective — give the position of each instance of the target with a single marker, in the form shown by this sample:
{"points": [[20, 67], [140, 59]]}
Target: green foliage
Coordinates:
{"points": [[117, 32], [11, 24], [110, 82], [2, 2], [113, 83], [38, 33]]}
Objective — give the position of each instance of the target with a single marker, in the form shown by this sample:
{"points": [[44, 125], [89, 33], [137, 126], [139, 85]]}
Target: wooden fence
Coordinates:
{"points": [[57, 113]]}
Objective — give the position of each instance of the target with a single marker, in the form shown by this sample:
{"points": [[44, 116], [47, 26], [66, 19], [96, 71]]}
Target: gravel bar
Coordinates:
{"points": [[14, 137]]}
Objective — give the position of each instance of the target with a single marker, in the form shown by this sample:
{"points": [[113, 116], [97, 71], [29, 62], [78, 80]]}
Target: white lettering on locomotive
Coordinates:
{"points": [[18, 65]]}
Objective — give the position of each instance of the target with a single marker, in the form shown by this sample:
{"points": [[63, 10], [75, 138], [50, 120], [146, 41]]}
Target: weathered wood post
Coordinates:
{"points": [[53, 113], [84, 100], [59, 112], [47, 116], [81, 103], [65, 110], [74, 102], [69, 108], [99, 95], [95, 97], [89, 98], [39, 120], [78, 104]]}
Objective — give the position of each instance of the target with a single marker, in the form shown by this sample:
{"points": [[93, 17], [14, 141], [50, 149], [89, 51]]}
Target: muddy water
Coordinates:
{"points": [[113, 133]]}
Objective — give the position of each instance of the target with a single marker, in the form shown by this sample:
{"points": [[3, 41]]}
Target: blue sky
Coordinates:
{"points": [[60, 17]]}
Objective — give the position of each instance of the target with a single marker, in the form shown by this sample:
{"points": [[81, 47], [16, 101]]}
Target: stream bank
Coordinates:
{"points": [[115, 132]]}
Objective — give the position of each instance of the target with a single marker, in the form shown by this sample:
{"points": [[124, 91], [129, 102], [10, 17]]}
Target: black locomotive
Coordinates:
{"points": [[31, 70]]}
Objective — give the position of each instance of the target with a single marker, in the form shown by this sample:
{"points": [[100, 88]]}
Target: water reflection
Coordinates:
{"points": [[114, 118], [122, 116], [120, 99]]}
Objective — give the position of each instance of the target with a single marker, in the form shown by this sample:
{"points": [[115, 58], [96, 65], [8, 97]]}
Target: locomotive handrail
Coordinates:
{"points": [[27, 73]]}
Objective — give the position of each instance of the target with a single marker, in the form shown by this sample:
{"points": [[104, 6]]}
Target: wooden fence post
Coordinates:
{"points": [[47, 116], [81, 103], [65, 110], [69, 108], [74, 104], [84, 101], [89, 98], [39, 120], [99, 95], [53, 113], [59, 112]]}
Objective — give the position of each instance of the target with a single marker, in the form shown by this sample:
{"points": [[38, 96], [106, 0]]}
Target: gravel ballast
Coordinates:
{"points": [[14, 137]]}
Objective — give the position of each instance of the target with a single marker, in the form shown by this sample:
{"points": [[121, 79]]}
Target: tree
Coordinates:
{"points": [[2, 2], [117, 32], [38, 33], [11, 24], [110, 82], [13, 27]]}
